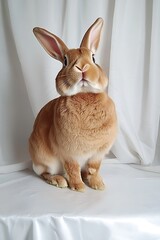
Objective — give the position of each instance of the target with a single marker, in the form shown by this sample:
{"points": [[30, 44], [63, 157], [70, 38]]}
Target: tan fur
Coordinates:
{"points": [[78, 58], [80, 124], [56, 180]]}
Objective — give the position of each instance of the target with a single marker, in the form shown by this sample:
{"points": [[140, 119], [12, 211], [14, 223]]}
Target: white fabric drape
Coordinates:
{"points": [[128, 210], [134, 78], [129, 52]]}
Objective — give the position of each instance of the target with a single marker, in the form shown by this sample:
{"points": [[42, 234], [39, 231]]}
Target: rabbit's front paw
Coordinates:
{"points": [[96, 182], [80, 186]]}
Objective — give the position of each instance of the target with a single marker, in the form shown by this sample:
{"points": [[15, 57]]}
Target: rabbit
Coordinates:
{"points": [[73, 132]]}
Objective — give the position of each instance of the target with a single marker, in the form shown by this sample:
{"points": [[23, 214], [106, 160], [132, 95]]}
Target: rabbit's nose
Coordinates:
{"points": [[82, 68]]}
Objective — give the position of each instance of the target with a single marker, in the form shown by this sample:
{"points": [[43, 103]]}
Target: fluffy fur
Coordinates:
{"points": [[72, 133]]}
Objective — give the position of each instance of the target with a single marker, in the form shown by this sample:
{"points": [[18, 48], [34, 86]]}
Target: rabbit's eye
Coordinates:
{"points": [[65, 61], [93, 58]]}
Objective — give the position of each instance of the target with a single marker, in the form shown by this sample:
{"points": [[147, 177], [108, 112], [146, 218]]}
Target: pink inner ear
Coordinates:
{"points": [[95, 36], [93, 40], [51, 45], [54, 46]]}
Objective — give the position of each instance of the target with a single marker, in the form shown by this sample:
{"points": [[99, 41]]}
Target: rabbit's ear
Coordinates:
{"points": [[92, 36], [54, 46]]}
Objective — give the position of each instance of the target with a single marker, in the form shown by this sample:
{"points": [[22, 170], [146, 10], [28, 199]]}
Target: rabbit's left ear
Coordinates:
{"points": [[53, 45], [92, 36]]}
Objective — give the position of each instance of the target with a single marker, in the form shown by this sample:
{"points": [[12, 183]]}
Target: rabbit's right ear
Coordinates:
{"points": [[92, 36], [54, 46]]}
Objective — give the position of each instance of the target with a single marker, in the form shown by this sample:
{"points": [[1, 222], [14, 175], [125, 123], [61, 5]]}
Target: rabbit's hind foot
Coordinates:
{"points": [[55, 180]]}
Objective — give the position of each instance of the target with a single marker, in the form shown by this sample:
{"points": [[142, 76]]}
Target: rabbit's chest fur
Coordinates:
{"points": [[84, 121]]}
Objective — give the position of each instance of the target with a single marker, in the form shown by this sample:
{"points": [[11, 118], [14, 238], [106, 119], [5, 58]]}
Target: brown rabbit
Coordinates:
{"points": [[73, 132]]}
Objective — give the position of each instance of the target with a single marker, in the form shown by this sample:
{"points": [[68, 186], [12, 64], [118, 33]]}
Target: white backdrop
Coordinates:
{"points": [[129, 53]]}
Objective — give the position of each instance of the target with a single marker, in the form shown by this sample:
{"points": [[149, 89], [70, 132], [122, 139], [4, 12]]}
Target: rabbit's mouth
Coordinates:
{"points": [[84, 82], [82, 86], [87, 86]]}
